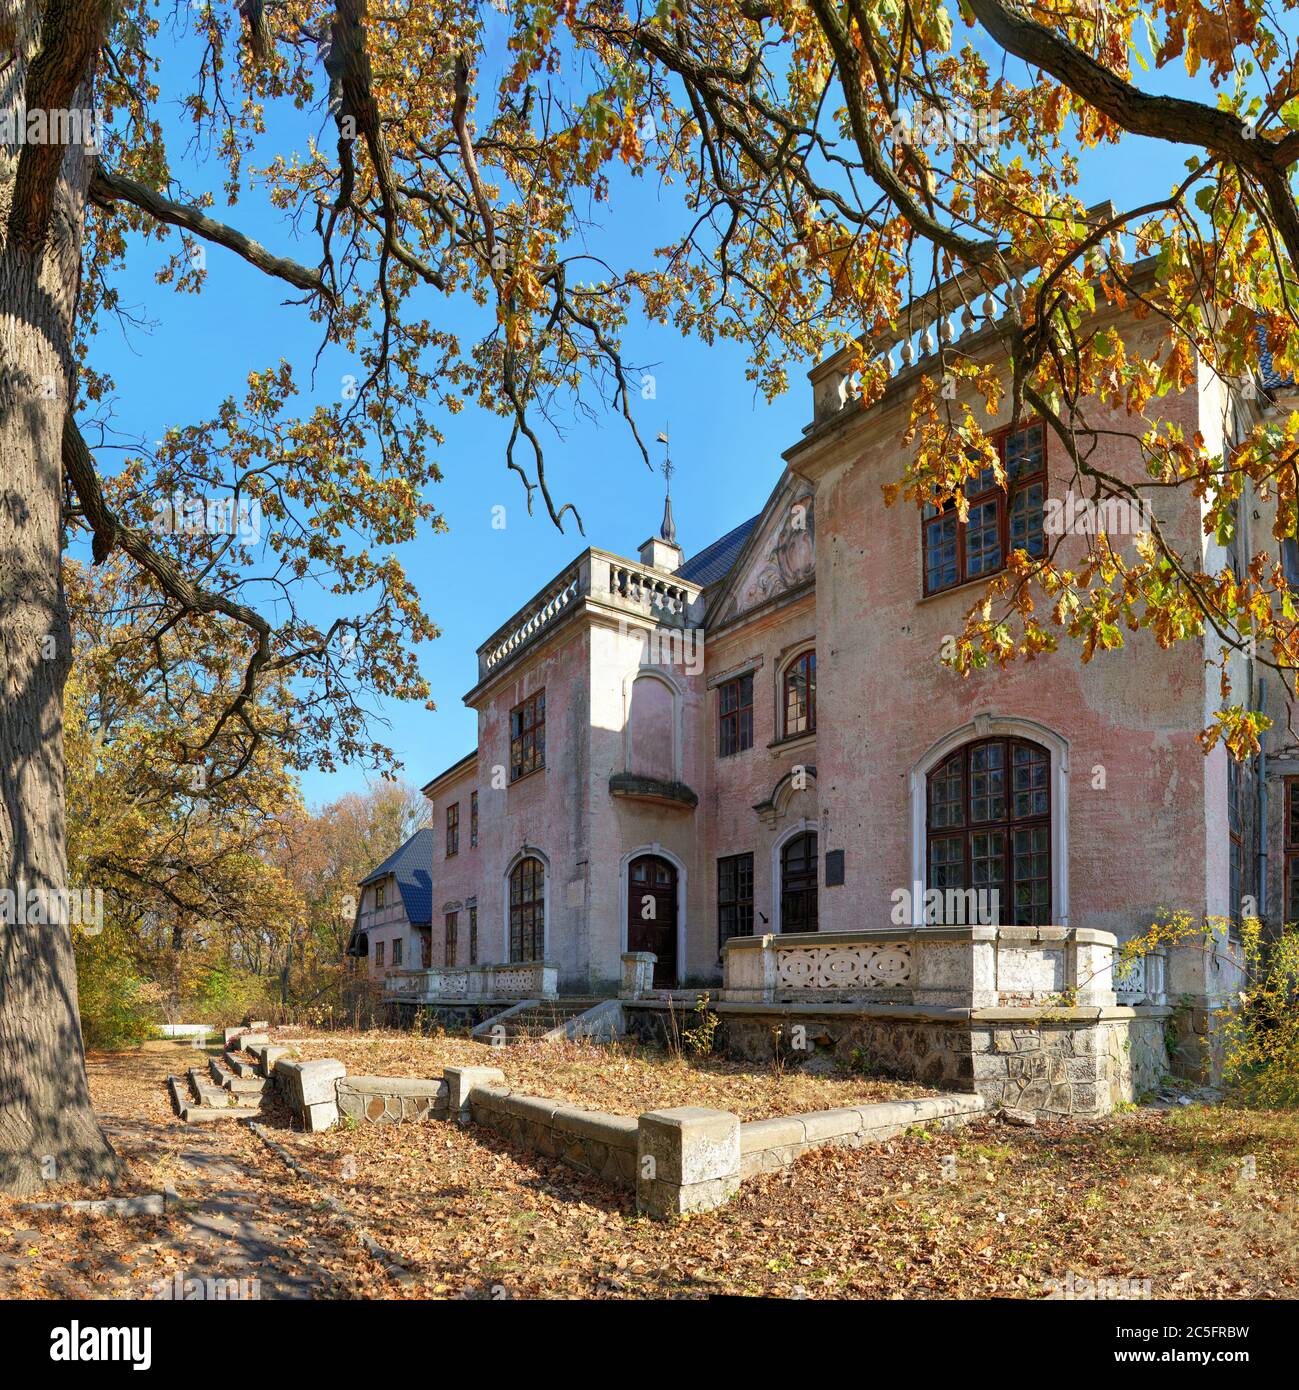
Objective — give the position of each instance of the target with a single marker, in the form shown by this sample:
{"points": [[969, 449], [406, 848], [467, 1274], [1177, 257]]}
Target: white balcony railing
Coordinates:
{"points": [[979, 967], [928, 325], [533, 980], [605, 581]]}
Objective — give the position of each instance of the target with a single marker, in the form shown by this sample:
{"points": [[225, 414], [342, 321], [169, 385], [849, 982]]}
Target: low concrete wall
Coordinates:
{"points": [[766, 1145], [588, 1140], [390, 1100]]}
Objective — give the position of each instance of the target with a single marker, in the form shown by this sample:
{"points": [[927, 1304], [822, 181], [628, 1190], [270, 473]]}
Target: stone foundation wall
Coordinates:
{"points": [[390, 1100], [1072, 1062], [458, 1017]]}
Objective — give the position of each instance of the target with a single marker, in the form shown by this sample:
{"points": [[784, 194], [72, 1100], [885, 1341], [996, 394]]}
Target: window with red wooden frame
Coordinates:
{"points": [[452, 935], [1291, 845], [528, 736], [999, 521], [734, 897], [473, 819], [799, 685], [453, 829], [735, 715], [989, 826]]}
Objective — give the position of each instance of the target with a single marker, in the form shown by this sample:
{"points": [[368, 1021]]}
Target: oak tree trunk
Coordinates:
{"points": [[48, 1129]]}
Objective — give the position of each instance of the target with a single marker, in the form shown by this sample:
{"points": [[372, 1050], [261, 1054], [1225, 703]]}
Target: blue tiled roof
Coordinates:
{"points": [[714, 561], [1271, 377], [412, 866]]}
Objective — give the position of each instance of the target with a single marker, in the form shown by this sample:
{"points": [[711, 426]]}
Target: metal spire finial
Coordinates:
{"points": [[668, 531]]}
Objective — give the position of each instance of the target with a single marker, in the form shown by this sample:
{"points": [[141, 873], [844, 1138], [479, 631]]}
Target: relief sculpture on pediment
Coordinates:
{"points": [[790, 557]]}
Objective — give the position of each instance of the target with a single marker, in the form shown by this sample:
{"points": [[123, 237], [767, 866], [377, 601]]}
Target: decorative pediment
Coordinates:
{"points": [[779, 556]]}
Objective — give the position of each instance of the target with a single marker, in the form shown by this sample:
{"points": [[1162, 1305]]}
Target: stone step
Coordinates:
{"points": [[180, 1097], [204, 1091], [229, 1081], [241, 1066], [541, 1018], [203, 1114]]}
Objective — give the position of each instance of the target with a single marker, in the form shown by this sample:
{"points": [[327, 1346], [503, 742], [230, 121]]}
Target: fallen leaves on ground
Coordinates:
{"points": [[1200, 1201]]}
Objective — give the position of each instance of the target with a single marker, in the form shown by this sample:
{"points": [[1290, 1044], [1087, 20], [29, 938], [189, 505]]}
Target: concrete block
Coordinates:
{"points": [[267, 1055], [461, 1080], [688, 1159], [822, 1125], [758, 1135], [309, 1083], [323, 1115], [618, 1131]]}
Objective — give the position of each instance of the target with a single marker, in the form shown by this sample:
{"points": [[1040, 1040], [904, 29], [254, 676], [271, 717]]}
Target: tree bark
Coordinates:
{"points": [[48, 1129]]}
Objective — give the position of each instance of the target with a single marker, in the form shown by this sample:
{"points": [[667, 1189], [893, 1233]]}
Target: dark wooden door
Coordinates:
{"points": [[798, 883], [652, 914]]}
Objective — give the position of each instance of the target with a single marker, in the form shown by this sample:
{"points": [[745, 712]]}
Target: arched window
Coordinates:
{"points": [[798, 866], [528, 910], [800, 695], [989, 828]]}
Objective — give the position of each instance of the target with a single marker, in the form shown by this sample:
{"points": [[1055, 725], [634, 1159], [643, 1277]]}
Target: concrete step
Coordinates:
{"points": [[205, 1092], [180, 1096], [204, 1114], [541, 1018], [239, 1085], [241, 1066]]}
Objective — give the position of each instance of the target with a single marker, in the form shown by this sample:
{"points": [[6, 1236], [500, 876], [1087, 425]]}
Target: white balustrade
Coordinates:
{"points": [[531, 980], [976, 967]]}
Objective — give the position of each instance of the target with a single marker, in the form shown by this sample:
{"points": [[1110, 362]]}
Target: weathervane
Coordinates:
{"points": [[667, 460], [668, 531]]}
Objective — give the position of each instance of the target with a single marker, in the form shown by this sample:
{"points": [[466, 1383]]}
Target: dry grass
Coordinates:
{"points": [[625, 1079]]}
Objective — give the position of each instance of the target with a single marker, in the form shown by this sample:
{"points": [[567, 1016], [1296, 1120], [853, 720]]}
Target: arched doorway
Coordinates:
{"points": [[652, 914], [798, 883]]}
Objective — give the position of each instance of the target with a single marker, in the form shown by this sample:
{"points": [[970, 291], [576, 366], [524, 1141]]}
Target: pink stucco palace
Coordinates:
{"points": [[761, 738]]}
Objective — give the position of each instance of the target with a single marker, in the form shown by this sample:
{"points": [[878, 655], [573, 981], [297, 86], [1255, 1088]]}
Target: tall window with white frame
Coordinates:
{"points": [[989, 832]]}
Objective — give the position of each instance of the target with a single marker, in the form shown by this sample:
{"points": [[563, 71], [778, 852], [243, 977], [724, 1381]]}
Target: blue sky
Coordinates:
{"points": [[726, 441]]}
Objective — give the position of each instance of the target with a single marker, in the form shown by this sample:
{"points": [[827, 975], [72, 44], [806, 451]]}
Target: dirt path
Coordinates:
{"points": [[243, 1215]]}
